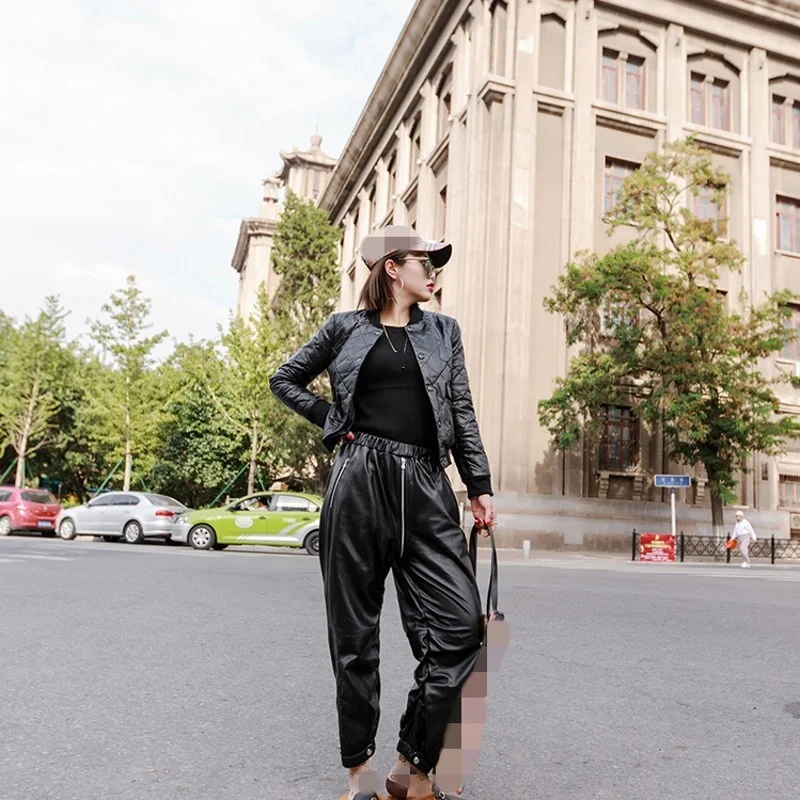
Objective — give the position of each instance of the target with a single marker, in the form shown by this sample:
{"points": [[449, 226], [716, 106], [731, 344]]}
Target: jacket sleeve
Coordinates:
{"points": [[289, 384], [468, 450]]}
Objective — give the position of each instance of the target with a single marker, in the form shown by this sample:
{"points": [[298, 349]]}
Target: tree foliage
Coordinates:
{"points": [[669, 345], [305, 256], [183, 422], [127, 402], [32, 361]]}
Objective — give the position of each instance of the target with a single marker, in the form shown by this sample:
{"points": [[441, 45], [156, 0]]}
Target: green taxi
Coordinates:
{"points": [[282, 519]]}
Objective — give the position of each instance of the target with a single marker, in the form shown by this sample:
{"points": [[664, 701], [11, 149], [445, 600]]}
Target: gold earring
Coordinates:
{"points": [[402, 283]]}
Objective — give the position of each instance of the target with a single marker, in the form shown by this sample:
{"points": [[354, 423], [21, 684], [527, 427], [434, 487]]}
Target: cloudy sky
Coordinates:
{"points": [[134, 137]]}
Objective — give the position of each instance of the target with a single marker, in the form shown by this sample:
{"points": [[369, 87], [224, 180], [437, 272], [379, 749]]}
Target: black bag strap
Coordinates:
{"points": [[492, 592]]}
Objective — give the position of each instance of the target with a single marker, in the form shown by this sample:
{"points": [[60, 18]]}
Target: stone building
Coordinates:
{"points": [[306, 173], [506, 127]]}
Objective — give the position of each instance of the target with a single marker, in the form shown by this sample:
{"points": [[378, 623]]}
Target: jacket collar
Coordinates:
{"points": [[374, 317]]}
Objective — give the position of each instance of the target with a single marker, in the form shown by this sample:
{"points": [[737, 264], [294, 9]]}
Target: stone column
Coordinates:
{"points": [[757, 277], [363, 229], [675, 99], [403, 159], [381, 188], [517, 415], [583, 144], [425, 186], [472, 287], [347, 253]]}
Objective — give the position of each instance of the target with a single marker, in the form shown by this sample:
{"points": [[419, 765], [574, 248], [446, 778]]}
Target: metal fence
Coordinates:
{"points": [[691, 546]]}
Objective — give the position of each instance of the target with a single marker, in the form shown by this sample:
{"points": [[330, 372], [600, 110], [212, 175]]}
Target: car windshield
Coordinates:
{"points": [[38, 497], [163, 500]]}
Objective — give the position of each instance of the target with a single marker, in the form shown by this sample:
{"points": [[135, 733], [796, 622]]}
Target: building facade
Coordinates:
{"points": [[306, 173], [506, 127]]}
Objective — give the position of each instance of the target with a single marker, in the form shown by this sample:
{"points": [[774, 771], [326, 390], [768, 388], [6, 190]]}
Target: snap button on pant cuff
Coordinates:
{"points": [[359, 758], [414, 758]]}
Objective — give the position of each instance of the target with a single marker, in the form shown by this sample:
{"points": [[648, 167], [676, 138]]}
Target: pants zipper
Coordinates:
{"points": [[402, 505], [338, 478]]}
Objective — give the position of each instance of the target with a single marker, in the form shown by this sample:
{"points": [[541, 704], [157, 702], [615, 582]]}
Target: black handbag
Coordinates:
{"points": [[463, 734]]}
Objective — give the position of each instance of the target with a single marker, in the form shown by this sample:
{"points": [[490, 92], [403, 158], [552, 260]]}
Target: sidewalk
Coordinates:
{"points": [[516, 556]]}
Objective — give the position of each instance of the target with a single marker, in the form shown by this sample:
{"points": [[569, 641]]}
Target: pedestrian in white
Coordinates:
{"points": [[743, 533]]}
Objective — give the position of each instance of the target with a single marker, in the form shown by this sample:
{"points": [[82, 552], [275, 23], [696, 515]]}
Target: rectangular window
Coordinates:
{"points": [[619, 438], [441, 214], [698, 99], [373, 208], [615, 174], [720, 105], [707, 209], [791, 352], [789, 491], [634, 83], [416, 146], [788, 224], [795, 118], [778, 119], [610, 76], [411, 211], [392, 182]]}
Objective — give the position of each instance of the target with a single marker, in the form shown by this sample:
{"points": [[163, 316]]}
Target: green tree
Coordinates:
{"points": [[199, 447], [127, 400], [672, 349], [305, 256], [238, 384], [31, 362], [77, 457]]}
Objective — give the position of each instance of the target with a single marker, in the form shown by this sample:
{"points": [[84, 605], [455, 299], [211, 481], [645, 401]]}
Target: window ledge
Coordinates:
{"points": [[718, 136], [787, 254], [785, 151], [561, 95], [410, 190], [637, 114]]}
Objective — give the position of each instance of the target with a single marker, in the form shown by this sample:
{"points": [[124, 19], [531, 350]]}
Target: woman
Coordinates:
{"points": [[402, 403]]}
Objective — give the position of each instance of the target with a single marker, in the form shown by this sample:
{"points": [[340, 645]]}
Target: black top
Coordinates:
{"points": [[390, 398]]}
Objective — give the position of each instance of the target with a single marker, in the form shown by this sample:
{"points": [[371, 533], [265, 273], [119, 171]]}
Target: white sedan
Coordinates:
{"points": [[129, 516]]}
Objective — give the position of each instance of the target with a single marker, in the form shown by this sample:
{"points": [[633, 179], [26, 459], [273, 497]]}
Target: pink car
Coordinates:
{"points": [[27, 510]]}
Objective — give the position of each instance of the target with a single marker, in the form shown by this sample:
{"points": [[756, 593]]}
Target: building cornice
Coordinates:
{"points": [[787, 11], [254, 226], [424, 23]]}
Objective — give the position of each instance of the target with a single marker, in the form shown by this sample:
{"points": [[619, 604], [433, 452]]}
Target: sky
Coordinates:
{"points": [[134, 138]]}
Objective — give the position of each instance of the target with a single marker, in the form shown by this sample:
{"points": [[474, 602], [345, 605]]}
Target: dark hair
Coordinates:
{"points": [[377, 293]]}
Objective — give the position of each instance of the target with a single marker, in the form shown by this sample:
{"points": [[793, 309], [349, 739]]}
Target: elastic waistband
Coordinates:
{"points": [[394, 448]]}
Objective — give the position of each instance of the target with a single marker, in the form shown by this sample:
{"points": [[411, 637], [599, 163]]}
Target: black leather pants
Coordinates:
{"points": [[390, 506]]}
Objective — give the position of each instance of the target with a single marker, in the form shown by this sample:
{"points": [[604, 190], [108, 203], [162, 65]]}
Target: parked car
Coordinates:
{"points": [[27, 510], [130, 516], [268, 518]]}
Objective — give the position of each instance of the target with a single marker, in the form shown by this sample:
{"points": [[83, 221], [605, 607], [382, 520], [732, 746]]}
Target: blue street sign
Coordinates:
{"points": [[672, 481]]}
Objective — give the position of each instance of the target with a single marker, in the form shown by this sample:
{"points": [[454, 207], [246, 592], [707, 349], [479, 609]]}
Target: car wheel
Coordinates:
{"points": [[311, 543], [110, 538], [48, 534], [66, 530], [133, 533], [5, 526], [202, 537]]}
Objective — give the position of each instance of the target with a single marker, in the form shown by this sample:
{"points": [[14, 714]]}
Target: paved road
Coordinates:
{"points": [[150, 672]]}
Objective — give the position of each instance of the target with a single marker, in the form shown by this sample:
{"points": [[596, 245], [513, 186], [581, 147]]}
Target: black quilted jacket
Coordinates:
{"points": [[341, 345]]}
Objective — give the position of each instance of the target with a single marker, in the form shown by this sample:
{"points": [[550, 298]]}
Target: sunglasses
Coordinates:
{"points": [[426, 263]]}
